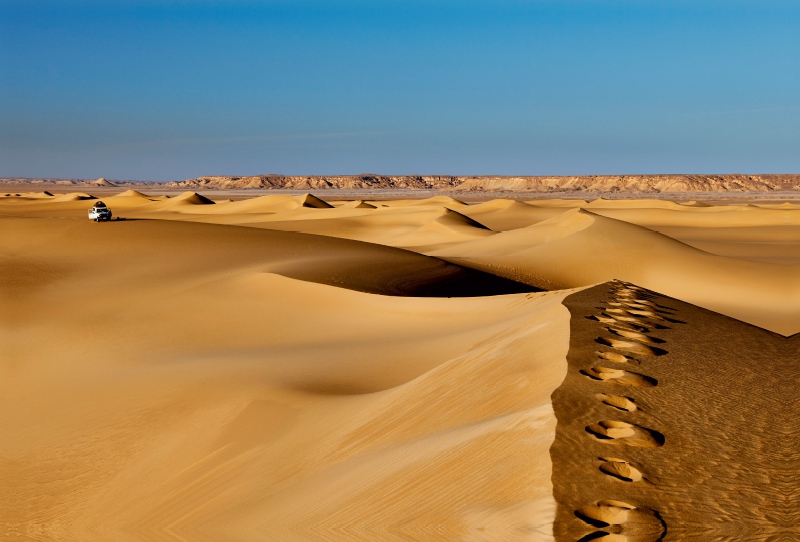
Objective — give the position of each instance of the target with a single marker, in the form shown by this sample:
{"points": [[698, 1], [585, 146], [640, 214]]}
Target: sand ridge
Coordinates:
{"points": [[704, 453]]}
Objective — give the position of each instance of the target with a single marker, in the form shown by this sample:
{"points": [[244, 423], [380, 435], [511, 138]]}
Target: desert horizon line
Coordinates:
{"points": [[7, 178]]}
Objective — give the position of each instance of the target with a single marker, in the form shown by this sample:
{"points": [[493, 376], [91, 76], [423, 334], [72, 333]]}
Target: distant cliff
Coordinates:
{"points": [[599, 184], [589, 183]]}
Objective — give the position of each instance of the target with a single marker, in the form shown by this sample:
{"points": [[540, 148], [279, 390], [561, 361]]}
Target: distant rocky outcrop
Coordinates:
{"points": [[101, 182], [640, 184], [597, 184], [347, 182]]}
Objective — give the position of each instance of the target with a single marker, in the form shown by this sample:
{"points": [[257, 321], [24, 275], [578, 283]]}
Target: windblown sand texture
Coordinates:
{"points": [[674, 423], [294, 369]]}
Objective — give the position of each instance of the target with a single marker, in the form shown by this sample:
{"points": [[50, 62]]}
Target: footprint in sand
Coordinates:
{"points": [[639, 314], [635, 335], [629, 298], [624, 316], [625, 294], [603, 318], [616, 358], [626, 303], [617, 432], [643, 307], [650, 314], [621, 521], [630, 346], [620, 402], [620, 469], [641, 304], [614, 312], [618, 376], [610, 320], [606, 512]]}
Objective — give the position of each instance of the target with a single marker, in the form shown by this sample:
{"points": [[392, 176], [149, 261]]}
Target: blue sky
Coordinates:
{"points": [[173, 90]]}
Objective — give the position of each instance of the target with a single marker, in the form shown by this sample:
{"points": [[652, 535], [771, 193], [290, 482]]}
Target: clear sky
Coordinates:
{"points": [[172, 90]]}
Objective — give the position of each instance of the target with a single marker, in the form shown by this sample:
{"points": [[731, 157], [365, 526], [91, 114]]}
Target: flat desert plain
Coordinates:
{"points": [[286, 368]]}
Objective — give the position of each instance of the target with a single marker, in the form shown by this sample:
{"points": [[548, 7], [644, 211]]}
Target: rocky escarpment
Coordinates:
{"points": [[653, 184], [598, 184], [347, 182]]}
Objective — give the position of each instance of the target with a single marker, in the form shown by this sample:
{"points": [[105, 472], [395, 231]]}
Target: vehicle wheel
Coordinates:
{"points": [[96, 220]]}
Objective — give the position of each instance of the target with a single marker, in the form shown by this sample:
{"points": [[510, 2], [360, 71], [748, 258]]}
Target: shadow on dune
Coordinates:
{"points": [[397, 272], [472, 283]]}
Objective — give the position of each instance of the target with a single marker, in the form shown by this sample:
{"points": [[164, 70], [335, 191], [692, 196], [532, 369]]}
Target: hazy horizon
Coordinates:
{"points": [[146, 90]]}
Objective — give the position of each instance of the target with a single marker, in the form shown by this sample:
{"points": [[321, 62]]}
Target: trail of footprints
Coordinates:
{"points": [[626, 321]]}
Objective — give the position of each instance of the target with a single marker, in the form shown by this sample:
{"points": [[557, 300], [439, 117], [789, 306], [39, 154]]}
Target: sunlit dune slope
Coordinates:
{"points": [[163, 381], [341, 262], [543, 242], [769, 233], [765, 232], [579, 248], [418, 226], [741, 260], [505, 214]]}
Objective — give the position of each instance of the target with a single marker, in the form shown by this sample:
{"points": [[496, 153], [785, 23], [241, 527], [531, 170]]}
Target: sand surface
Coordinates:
{"points": [[684, 415], [739, 260], [289, 368], [169, 381]]}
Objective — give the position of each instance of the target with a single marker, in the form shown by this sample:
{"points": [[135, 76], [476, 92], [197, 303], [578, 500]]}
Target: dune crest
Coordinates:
{"points": [[647, 463], [554, 254]]}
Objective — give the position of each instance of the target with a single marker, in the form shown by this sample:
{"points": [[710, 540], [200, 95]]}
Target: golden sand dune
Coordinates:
{"points": [[285, 368], [356, 204], [272, 204], [738, 260], [758, 233], [161, 382], [580, 248], [423, 227], [502, 215]]}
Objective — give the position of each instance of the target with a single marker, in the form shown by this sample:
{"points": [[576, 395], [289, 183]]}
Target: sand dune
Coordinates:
{"points": [[286, 368], [423, 227], [580, 248], [737, 260], [356, 204], [757, 233], [502, 215], [274, 204], [161, 381]]}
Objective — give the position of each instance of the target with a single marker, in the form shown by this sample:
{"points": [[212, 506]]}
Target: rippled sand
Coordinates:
{"points": [[684, 415]]}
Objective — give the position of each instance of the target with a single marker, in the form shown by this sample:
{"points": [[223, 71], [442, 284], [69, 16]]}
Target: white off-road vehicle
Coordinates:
{"points": [[99, 212]]}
